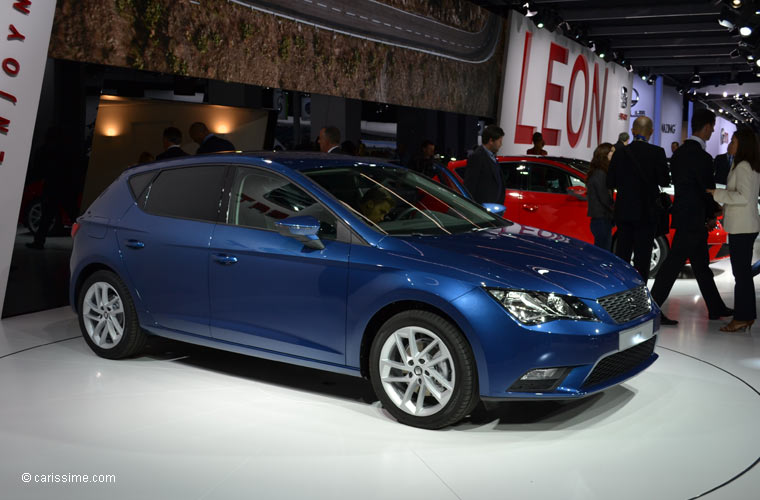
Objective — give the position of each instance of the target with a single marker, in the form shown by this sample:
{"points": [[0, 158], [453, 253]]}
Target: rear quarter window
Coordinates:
{"points": [[187, 193]]}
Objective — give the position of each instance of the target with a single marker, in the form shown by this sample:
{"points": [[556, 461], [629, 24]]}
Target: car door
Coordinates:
{"points": [[515, 175], [547, 204], [269, 291], [164, 241]]}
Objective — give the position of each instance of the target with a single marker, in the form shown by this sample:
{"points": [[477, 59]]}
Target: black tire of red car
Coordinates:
{"points": [[132, 339], [33, 216], [464, 394], [661, 245]]}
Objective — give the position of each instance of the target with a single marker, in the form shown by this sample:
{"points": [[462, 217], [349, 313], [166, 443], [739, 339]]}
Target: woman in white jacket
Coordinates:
{"points": [[742, 223]]}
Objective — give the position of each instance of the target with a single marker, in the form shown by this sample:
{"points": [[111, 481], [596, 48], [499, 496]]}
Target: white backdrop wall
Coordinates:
{"points": [[642, 101], [671, 118], [562, 89], [24, 42], [718, 143]]}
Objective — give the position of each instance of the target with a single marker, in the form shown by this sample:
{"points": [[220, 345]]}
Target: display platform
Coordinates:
{"points": [[187, 422]]}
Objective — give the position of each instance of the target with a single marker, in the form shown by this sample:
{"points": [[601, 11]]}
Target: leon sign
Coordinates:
{"points": [[24, 35], [562, 89]]}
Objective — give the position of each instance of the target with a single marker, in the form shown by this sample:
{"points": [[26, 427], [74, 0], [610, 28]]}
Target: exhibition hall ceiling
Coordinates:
{"points": [[697, 45]]}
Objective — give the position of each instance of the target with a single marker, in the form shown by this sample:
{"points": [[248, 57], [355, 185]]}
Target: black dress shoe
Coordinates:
{"points": [[725, 312], [664, 320]]}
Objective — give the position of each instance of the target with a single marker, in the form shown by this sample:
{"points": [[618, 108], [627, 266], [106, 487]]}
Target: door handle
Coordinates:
{"points": [[530, 208], [225, 259], [135, 244]]}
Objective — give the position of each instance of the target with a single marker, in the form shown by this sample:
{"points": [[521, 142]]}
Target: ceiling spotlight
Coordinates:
{"points": [[696, 79], [707, 94], [736, 3], [540, 24], [528, 12], [726, 18], [592, 45], [629, 67], [651, 79], [602, 54], [750, 57], [725, 94], [644, 75], [720, 110], [745, 31], [746, 94]]}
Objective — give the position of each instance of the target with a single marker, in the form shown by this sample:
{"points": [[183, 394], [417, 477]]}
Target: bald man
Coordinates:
{"points": [[635, 172]]}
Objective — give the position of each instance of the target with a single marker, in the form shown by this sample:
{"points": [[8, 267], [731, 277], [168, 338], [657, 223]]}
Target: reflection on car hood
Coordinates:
{"points": [[527, 258]]}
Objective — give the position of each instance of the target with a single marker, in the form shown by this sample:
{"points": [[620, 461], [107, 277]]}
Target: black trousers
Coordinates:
{"points": [[689, 244], [740, 246], [637, 239]]}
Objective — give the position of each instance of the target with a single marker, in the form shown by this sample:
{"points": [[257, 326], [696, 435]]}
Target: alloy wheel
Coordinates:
{"points": [[417, 371], [103, 315]]}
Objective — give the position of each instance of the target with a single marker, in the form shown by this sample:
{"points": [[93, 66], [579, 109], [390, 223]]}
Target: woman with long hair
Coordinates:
{"points": [[742, 223], [599, 197]]}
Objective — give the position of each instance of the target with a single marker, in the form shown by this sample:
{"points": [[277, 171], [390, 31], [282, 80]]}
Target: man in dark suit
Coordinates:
{"points": [[635, 171], [172, 139], [208, 142], [722, 166], [329, 140], [691, 168], [483, 175]]}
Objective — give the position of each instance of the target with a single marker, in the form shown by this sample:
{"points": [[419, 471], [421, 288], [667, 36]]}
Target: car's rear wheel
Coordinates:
{"points": [[423, 371], [108, 318], [660, 251], [34, 216]]}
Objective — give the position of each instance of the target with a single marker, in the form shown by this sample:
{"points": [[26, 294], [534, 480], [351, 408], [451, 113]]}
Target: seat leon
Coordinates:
{"points": [[361, 268]]}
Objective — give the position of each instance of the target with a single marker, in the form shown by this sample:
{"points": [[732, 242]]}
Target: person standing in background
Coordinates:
{"points": [[635, 172], [742, 223], [599, 197], [208, 142], [172, 138], [483, 176], [721, 167], [538, 145]]}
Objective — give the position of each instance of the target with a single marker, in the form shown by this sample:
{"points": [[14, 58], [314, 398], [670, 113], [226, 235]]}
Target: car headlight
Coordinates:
{"points": [[534, 308]]}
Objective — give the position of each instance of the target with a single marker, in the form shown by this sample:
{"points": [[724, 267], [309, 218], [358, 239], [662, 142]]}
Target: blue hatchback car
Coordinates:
{"points": [[357, 267]]}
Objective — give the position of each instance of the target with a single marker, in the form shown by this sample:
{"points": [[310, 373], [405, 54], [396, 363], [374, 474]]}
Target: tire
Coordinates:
{"points": [[34, 215], [660, 252], [108, 318], [398, 368]]}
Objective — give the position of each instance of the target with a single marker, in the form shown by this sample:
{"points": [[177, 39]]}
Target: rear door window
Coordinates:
{"points": [[515, 175], [188, 193]]}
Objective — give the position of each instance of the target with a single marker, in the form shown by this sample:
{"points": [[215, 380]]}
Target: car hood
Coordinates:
{"points": [[524, 257]]}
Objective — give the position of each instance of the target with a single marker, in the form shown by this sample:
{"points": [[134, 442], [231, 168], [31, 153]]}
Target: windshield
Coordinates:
{"points": [[395, 200]]}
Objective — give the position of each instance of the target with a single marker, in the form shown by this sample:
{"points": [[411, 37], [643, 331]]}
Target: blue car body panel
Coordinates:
{"points": [[262, 293]]}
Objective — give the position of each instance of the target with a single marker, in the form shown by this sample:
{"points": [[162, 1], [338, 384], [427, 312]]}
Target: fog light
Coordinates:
{"points": [[542, 374], [541, 380]]}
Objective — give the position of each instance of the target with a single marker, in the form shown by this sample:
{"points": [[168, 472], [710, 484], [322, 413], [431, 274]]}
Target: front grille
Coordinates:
{"points": [[620, 363], [627, 306]]}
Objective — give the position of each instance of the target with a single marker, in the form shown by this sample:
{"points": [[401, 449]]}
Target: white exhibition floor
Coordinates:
{"points": [[184, 422]]}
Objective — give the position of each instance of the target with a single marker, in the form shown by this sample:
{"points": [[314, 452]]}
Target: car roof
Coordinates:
{"points": [[296, 160]]}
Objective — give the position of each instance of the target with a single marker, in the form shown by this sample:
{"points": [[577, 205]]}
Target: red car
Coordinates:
{"points": [[550, 193]]}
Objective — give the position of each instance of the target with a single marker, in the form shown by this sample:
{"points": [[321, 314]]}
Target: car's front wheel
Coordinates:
{"points": [[108, 318], [423, 371]]}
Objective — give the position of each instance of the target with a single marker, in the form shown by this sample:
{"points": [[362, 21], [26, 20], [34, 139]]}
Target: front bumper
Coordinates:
{"points": [[592, 355]]}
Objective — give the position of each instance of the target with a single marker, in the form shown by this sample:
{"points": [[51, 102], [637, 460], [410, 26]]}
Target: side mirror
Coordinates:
{"points": [[303, 228], [495, 208], [578, 192]]}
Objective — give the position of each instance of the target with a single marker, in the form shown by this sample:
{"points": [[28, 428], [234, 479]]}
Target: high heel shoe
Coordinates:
{"points": [[735, 326]]}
